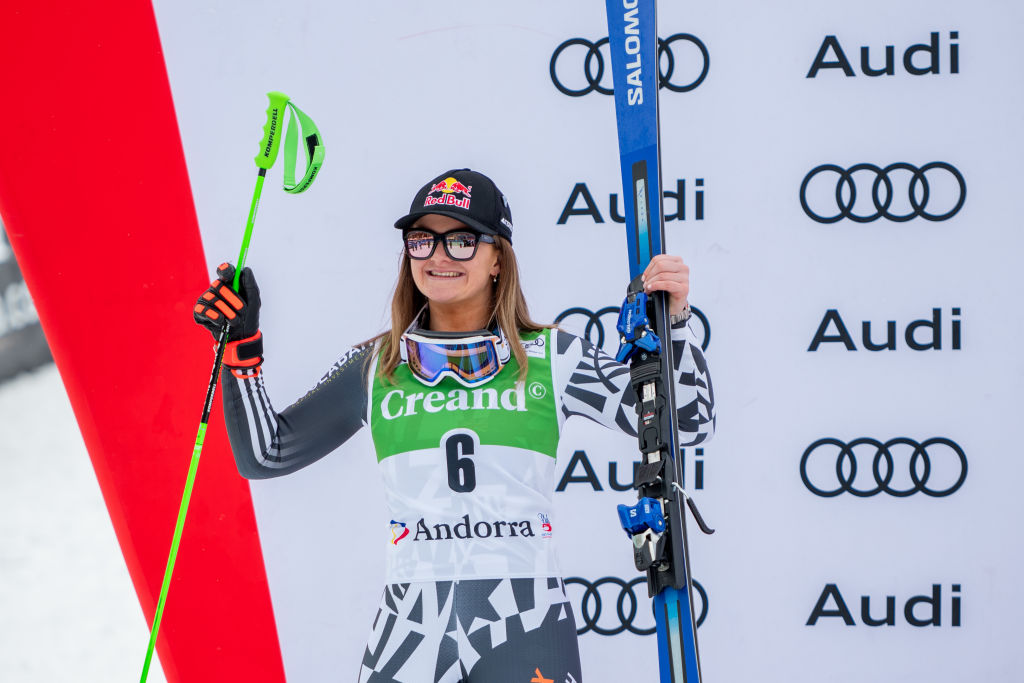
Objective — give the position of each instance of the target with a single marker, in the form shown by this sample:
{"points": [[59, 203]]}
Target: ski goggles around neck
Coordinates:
{"points": [[460, 245], [470, 358]]}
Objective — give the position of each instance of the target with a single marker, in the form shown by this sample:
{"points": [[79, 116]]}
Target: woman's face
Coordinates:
{"points": [[446, 281]]}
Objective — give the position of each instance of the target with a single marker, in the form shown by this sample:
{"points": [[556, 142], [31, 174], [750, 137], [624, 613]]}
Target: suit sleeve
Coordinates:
{"points": [[267, 443], [596, 386]]}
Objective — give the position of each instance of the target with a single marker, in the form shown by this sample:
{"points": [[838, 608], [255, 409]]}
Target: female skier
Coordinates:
{"points": [[465, 397]]}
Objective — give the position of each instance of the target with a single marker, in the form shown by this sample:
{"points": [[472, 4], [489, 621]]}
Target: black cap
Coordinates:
{"points": [[465, 195]]}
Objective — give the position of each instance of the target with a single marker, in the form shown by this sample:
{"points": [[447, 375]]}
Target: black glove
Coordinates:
{"points": [[243, 353], [220, 304]]}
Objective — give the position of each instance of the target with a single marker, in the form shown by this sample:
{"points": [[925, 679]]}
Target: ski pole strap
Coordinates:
{"points": [[314, 149]]}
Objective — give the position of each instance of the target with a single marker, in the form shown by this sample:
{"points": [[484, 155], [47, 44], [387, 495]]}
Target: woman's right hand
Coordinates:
{"points": [[220, 304]]}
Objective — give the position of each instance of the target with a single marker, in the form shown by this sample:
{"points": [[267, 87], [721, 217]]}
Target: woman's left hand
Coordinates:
{"points": [[668, 273]]}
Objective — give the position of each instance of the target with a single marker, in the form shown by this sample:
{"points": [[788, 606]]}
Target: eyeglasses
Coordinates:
{"points": [[460, 245]]}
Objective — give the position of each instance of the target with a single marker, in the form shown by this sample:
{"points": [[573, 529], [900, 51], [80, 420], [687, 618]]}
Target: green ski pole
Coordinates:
{"points": [[264, 161]]}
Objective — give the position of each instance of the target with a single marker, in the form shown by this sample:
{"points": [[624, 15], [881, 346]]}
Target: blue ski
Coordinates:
{"points": [[657, 523]]}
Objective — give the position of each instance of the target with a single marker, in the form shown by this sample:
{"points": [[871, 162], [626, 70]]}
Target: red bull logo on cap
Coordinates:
{"points": [[448, 189]]}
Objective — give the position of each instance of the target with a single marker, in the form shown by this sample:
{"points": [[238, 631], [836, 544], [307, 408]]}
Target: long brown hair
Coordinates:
{"points": [[508, 307]]}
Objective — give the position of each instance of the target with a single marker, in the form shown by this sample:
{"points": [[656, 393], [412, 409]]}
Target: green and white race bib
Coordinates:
{"points": [[469, 473]]}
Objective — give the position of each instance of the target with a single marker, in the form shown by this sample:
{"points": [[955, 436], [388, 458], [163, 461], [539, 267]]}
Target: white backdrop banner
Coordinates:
{"points": [[841, 180]]}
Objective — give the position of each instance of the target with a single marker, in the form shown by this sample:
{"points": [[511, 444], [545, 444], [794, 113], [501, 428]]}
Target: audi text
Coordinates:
{"points": [[919, 335], [919, 610], [831, 56]]}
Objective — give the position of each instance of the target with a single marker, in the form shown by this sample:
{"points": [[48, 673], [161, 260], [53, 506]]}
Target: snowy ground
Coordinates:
{"points": [[67, 607]]}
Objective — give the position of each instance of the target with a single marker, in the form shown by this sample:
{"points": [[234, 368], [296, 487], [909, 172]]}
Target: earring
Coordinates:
{"points": [[494, 279]]}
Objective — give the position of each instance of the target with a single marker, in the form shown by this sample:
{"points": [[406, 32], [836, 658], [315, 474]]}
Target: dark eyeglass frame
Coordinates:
{"points": [[443, 238]]}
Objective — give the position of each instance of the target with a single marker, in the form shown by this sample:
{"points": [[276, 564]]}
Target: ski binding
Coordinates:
{"points": [[634, 325]]}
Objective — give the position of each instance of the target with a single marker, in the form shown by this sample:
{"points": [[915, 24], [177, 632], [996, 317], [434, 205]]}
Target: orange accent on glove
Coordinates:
{"points": [[231, 358]]}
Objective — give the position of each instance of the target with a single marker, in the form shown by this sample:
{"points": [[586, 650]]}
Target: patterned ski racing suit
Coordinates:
{"points": [[473, 590]]}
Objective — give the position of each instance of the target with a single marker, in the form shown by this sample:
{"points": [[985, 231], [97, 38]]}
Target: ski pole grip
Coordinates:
{"points": [[272, 130]]}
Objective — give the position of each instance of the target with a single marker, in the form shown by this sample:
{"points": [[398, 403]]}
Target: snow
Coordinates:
{"points": [[68, 610]]}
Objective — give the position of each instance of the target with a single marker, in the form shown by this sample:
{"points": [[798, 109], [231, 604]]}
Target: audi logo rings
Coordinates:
{"points": [[627, 605], [594, 65], [917, 188], [594, 331], [919, 466], [595, 324]]}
